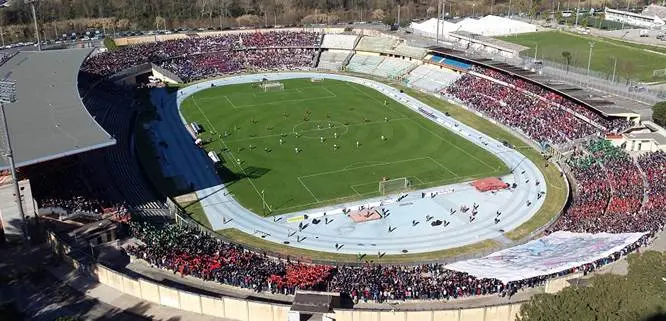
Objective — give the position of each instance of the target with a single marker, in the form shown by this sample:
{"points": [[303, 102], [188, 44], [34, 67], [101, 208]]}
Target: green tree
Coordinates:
{"points": [[110, 44], [638, 296], [388, 20], [567, 58], [659, 113]]}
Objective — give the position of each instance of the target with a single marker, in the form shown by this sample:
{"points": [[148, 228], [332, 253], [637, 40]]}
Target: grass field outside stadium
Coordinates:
{"points": [[337, 128], [634, 61]]}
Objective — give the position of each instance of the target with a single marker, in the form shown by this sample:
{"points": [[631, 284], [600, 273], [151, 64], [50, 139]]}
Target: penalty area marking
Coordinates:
{"points": [[308, 189], [231, 153]]}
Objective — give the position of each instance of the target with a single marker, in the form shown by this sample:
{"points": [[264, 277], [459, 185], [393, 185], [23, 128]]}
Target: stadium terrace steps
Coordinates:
{"points": [[394, 67], [333, 59], [409, 51], [364, 63], [376, 44], [128, 177], [337, 41], [431, 78]]}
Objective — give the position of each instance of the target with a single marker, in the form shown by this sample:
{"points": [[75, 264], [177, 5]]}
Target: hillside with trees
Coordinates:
{"points": [[638, 296], [56, 17]]}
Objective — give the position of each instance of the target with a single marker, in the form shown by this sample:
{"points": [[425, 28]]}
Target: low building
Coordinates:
{"points": [[650, 138], [634, 19]]}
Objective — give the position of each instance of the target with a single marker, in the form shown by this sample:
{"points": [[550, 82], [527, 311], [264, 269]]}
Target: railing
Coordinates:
{"points": [[617, 84]]}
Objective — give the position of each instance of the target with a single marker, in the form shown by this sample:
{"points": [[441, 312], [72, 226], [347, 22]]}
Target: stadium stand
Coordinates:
{"points": [[196, 67], [338, 41], [51, 122], [409, 51], [611, 125], [393, 68], [449, 63], [109, 63], [610, 193], [376, 44], [431, 78], [112, 107], [188, 252], [333, 59], [539, 120], [364, 63]]}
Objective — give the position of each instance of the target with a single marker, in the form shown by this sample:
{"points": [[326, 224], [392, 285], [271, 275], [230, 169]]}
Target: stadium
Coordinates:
{"points": [[316, 170]]}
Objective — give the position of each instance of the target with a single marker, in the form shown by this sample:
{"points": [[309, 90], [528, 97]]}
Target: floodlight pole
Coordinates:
{"points": [[8, 95], [34, 19], [439, 6]]}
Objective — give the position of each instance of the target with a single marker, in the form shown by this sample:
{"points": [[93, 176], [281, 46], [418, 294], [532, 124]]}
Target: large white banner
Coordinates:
{"points": [[551, 254]]}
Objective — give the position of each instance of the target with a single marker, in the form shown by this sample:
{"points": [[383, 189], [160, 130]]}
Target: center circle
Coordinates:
{"points": [[320, 128]]}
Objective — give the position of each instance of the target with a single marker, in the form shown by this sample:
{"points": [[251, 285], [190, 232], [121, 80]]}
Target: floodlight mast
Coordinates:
{"points": [[8, 96], [34, 19]]}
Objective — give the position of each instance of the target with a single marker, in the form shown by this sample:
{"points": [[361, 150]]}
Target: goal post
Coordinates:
{"points": [[317, 79], [392, 186], [272, 86]]}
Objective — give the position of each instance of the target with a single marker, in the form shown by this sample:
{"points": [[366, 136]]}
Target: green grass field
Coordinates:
{"points": [[634, 61], [341, 114]]}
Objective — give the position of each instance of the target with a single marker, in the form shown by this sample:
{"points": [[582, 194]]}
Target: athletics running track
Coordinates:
{"points": [[411, 230]]}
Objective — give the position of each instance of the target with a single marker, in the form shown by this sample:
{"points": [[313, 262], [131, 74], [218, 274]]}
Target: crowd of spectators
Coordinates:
{"points": [[188, 252], [654, 168], [614, 125], [544, 123], [196, 67], [609, 185], [65, 186], [610, 194], [111, 62]]}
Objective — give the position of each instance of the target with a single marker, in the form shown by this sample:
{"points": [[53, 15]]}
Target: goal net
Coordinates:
{"points": [[272, 86], [392, 186], [316, 79]]}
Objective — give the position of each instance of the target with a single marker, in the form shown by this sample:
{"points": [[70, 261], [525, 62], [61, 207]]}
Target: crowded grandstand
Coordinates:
{"points": [[614, 191]]}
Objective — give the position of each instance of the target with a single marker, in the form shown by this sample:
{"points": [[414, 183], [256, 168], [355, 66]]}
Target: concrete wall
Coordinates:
{"points": [[223, 307], [490, 313], [239, 309]]}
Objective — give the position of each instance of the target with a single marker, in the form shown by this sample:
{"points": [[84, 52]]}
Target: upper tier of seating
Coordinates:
{"points": [[376, 44], [337, 41], [409, 51]]}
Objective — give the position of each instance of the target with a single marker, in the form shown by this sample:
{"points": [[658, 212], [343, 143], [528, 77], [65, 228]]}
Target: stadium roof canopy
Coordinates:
{"points": [[48, 119]]}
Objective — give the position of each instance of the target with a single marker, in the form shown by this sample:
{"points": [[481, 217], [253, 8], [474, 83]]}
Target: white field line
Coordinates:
{"points": [[308, 189], [232, 154], [312, 130], [365, 166]]}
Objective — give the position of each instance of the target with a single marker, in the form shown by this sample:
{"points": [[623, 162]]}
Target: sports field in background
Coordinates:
{"points": [[309, 116], [633, 61]]}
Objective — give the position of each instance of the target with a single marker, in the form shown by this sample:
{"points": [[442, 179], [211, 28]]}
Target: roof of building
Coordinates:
{"points": [[488, 41], [312, 302], [48, 119], [658, 137], [655, 10]]}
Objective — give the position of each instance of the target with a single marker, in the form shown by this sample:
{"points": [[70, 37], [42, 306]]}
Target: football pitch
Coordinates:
{"points": [[320, 143]]}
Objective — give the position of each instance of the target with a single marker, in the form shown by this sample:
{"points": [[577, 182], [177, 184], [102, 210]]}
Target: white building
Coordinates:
{"points": [[634, 19], [651, 138]]}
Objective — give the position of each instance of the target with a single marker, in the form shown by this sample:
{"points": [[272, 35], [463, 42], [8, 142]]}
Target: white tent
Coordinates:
{"points": [[490, 26]]}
